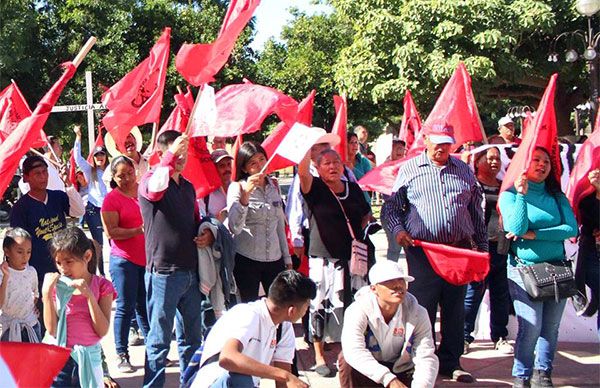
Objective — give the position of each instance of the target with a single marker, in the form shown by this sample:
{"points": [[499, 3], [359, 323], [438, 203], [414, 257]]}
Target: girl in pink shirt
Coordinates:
{"points": [[77, 307]]}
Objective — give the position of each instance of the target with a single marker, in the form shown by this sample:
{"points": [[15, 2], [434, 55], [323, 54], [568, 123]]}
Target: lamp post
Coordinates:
{"points": [[589, 40], [520, 112]]}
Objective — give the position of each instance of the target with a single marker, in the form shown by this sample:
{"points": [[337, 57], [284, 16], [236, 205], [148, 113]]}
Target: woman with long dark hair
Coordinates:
{"points": [[96, 191], [257, 221], [538, 217]]}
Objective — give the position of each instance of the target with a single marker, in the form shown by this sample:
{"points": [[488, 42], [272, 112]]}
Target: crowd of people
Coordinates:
{"points": [[196, 266]]}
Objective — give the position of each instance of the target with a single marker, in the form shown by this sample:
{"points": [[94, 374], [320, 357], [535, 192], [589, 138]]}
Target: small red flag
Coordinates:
{"points": [[381, 178], [136, 99], [30, 365], [270, 144], [541, 133], [28, 130], [457, 266], [456, 106], [411, 122], [236, 147], [200, 169], [98, 143], [340, 125], [588, 159], [241, 109], [199, 63], [72, 169]]}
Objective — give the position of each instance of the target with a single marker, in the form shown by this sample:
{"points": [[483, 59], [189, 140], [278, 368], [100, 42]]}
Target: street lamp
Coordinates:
{"points": [[520, 113], [589, 40]]}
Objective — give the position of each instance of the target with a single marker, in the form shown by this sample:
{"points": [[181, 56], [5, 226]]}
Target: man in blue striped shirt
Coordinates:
{"points": [[437, 199]]}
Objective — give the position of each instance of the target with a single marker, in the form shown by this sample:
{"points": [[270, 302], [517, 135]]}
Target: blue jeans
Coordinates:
{"points": [[128, 279], [94, 222], [497, 282], [233, 380], [539, 321], [167, 293]]}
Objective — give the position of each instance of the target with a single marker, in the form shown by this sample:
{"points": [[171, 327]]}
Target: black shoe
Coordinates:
{"points": [[124, 365], [462, 376], [592, 307], [541, 379], [521, 383]]}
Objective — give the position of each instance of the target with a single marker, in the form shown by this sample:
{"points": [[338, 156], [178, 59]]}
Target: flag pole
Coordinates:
{"points": [[267, 164], [38, 153], [84, 51]]}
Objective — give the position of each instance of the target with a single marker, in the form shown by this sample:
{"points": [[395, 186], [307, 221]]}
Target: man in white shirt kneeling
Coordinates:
{"points": [[256, 339], [386, 339]]}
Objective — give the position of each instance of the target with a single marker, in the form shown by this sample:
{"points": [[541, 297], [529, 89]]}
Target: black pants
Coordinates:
{"points": [[431, 290], [250, 273]]}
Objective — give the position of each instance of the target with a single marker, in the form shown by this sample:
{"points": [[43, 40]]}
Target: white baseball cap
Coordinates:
{"points": [[385, 270], [504, 120]]}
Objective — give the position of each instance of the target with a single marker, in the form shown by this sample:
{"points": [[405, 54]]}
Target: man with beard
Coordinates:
{"points": [[437, 199], [140, 162]]}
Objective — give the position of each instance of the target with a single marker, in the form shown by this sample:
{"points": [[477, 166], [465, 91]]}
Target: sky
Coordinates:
{"points": [[272, 15]]}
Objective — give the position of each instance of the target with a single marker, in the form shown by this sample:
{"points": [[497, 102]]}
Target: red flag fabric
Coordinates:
{"points": [[588, 159], [28, 130], [200, 169], [541, 133], [457, 266], [411, 122], [199, 63], [98, 143], [234, 151], [241, 108], [30, 365], [270, 144], [340, 125], [136, 99], [72, 169], [13, 109], [456, 106]]}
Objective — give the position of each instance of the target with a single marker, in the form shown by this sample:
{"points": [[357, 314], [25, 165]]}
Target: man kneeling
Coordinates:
{"points": [[386, 339], [256, 339]]}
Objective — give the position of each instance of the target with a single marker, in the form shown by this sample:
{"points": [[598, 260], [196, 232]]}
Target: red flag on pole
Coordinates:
{"points": [[270, 144], [13, 109], [588, 159], [340, 125], [541, 133], [457, 266], [72, 169], [30, 365], [28, 130], [199, 63], [234, 151], [98, 143], [411, 122], [200, 169], [136, 99], [456, 106], [241, 109]]}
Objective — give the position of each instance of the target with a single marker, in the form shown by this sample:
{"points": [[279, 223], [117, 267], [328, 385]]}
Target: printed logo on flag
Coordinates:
{"points": [[146, 89]]}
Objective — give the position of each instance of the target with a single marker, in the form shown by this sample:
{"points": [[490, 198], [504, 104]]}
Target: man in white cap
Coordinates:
{"points": [[386, 339], [506, 128]]}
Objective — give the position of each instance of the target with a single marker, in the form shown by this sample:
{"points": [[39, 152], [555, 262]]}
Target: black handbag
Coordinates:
{"points": [[545, 281]]}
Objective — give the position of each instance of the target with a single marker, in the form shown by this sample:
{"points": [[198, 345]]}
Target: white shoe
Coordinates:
{"points": [[504, 347]]}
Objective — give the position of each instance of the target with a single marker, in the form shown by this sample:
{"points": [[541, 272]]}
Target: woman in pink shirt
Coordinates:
{"points": [[124, 226]]}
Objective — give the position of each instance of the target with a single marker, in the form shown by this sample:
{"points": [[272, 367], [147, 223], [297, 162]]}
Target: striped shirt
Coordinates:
{"points": [[437, 204]]}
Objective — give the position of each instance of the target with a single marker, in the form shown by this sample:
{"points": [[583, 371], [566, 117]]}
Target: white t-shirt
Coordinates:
{"points": [[251, 324], [21, 291]]}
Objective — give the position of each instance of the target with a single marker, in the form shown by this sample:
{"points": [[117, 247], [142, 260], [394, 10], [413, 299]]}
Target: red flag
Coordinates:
{"points": [[13, 109], [340, 125], [98, 143], [411, 122], [305, 112], [588, 159], [456, 106], [72, 169], [457, 266], [199, 63], [381, 178], [28, 130], [30, 365], [200, 169], [241, 108], [136, 99], [541, 133], [236, 147]]}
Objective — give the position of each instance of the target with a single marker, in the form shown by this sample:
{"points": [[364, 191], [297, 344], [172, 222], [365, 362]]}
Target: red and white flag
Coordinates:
{"points": [[300, 138], [340, 125], [411, 121], [30, 365], [136, 99], [199, 63]]}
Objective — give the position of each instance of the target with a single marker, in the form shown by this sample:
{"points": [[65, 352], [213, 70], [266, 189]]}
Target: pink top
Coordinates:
{"points": [[80, 329], [133, 248]]}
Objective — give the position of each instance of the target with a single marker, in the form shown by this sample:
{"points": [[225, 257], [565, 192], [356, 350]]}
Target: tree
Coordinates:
{"points": [[416, 45]]}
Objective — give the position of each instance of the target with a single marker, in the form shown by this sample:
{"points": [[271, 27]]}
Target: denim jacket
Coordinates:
{"points": [[259, 228]]}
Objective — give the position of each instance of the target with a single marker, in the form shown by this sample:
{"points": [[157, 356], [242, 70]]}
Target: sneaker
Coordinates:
{"points": [[541, 379], [503, 346], [462, 376], [124, 365], [521, 383], [580, 303], [135, 339], [466, 348], [323, 370]]}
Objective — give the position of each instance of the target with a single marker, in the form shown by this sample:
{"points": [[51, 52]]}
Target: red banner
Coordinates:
{"points": [[13, 109], [340, 125], [200, 169], [411, 121]]}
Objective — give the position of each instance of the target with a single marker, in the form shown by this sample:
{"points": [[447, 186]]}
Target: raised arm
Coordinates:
{"points": [[306, 178]]}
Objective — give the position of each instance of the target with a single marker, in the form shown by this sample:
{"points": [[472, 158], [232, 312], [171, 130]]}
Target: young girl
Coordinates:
{"points": [[18, 289], [77, 307]]}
